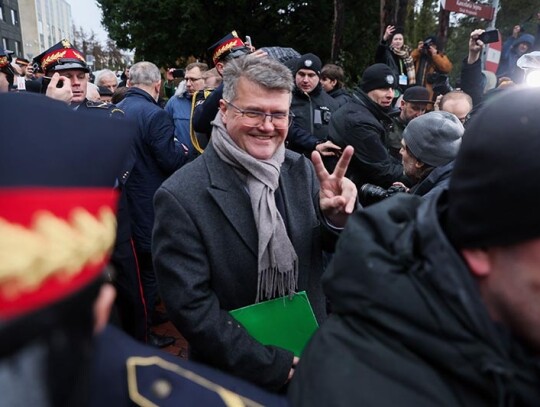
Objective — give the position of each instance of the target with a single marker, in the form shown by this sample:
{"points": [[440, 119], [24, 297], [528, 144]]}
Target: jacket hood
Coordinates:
{"points": [[395, 270], [526, 38]]}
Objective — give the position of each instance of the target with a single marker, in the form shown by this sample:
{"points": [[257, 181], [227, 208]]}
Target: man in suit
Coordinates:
{"points": [[244, 223], [57, 228]]}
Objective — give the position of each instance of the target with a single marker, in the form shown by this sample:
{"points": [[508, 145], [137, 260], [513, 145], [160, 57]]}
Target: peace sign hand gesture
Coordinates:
{"points": [[338, 193]]}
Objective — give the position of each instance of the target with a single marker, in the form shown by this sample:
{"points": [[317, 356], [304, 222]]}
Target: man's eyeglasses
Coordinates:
{"points": [[254, 118]]}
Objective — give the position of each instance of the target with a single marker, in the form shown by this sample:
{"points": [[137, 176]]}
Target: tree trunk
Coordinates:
{"points": [[337, 29], [444, 23]]}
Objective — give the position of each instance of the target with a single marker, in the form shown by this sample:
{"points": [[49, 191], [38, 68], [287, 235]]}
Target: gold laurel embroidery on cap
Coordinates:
{"points": [[52, 58], [224, 48], [229, 398], [78, 55], [52, 246]]}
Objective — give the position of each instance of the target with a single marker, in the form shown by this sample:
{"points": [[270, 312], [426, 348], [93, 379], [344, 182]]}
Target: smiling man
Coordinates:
{"points": [[364, 123], [244, 223]]}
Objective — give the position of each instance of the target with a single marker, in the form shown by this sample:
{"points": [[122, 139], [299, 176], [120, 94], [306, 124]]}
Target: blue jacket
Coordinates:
{"points": [[155, 155], [179, 108]]}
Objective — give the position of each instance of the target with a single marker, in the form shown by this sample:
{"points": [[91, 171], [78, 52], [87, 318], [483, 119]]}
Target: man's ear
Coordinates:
{"points": [[103, 306], [478, 261], [419, 164], [219, 67], [223, 110]]}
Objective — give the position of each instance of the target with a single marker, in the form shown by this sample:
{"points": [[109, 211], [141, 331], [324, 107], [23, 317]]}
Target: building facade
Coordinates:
{"points": [[10, 27], [44, 23]]}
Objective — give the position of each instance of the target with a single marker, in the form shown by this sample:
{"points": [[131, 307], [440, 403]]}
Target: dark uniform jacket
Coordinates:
{"points": [[205, 257], [364, 125], [312, 113], [408, 326], [155, 155], [100, 108], [127, 373]]}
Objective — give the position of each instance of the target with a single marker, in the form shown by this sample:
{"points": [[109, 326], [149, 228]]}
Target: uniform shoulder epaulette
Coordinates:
{"points": [[113, 109], [153, 381]]}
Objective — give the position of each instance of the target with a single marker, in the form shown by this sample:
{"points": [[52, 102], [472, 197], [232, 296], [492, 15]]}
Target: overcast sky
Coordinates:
{"points": [[87, 14]]}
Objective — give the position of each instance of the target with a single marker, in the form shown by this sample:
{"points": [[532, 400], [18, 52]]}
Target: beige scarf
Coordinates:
{"points": [[277, 259], [405, 55]]}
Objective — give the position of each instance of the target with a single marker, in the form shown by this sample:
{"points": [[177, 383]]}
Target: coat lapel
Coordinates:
{"points": [[231, 197]]}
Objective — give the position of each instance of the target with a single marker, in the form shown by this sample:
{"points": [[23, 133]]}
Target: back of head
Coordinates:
{"points": [[434, 138], [144, 73], [265, 72], [57, 227], [493, 192]]}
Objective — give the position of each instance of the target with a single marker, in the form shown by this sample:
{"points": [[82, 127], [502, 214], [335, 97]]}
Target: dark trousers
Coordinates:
{"points": [[149, 283], [129, 300]]}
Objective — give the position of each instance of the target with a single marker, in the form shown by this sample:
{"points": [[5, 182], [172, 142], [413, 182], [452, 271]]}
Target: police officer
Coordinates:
{"points": [[69, 73], [56, 230]]}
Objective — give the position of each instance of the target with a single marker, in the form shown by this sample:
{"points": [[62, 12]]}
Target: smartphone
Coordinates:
{"points": [[248, 41], [45, 84], [178, 73], [490, 36]]}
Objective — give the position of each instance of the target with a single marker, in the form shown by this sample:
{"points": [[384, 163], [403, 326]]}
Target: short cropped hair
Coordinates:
{"points": [[144, 73], [456, 95], [201, 65], [265, 72], [105, 73]]}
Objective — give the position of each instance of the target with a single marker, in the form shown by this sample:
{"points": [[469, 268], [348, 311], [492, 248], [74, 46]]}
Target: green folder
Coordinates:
{"points": [[287, 323]]}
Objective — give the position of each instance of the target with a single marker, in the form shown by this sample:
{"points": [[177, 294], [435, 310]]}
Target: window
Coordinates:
{"points": [[5, 43], [2, 13], [18, 48], [14, 17]]}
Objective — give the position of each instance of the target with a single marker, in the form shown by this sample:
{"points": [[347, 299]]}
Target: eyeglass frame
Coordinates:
{"points": [[192, 80], [290, 116]]}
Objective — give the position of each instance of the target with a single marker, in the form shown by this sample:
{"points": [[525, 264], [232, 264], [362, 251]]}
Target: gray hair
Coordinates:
{"points": [[263, 71], [144, 73], [105, 73]]}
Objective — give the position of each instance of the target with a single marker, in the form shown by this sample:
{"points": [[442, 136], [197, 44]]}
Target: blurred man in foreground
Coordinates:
{"points": [[437, 302]]}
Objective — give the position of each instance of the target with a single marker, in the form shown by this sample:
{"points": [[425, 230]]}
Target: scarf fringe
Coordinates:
{"points": [[274, 283]]}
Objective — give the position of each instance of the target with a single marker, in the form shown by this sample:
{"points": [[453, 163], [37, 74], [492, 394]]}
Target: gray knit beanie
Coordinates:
{"points": [[434, 138]]}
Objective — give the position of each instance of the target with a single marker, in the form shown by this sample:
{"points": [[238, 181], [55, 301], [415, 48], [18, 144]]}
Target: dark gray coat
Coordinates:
{"points": [[205, 257]]}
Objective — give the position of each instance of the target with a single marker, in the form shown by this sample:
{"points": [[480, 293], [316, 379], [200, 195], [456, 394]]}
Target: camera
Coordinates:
{"points": [[427, 44], [370, 194], [178, 73], [440, 83]]}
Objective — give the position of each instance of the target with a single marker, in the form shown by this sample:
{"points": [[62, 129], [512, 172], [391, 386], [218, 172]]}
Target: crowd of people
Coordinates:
{"points": [[405, 209]]}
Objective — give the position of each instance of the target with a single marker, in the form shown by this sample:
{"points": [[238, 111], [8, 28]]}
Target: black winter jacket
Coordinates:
{"points": [[312, 113], [364, 125], [409, 327]]}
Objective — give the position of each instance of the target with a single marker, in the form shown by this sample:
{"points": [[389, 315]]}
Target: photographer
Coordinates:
{"points": [[429, 146], [432, 67], [428, 149]]}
